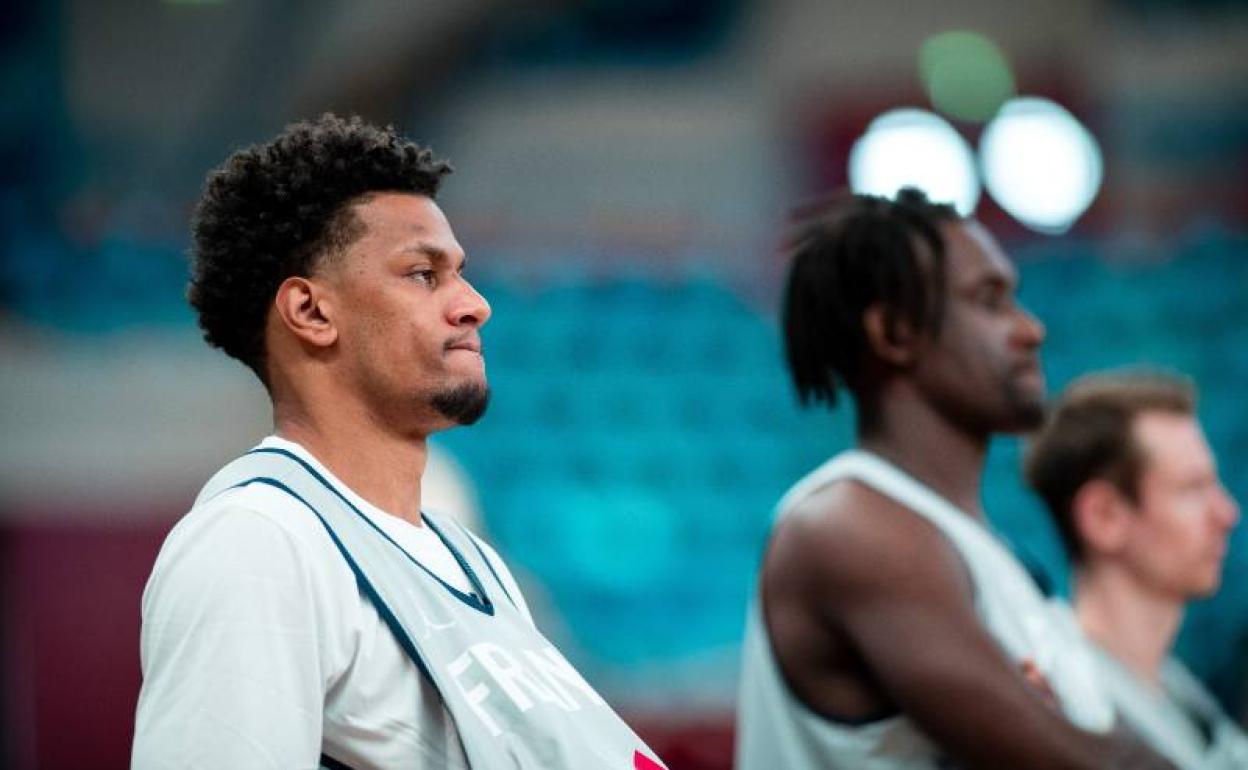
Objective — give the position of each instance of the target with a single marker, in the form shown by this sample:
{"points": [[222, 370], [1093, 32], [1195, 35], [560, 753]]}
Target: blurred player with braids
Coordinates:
{"points": [[1124, 468], [307, 611], [893, 629]]}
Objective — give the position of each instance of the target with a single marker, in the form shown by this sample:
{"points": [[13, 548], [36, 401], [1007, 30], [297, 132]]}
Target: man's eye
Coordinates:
{"points": [[427, 277], [995, 300]]}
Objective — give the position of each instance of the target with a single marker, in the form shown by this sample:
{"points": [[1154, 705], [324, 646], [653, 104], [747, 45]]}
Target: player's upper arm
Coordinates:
{"points": [[232, 671], [892, 585]]}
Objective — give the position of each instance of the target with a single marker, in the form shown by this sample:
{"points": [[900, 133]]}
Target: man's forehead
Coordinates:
{"points": [[399, 211], [1174, 443], [974, 255], [1161, 430], [406, 222]]}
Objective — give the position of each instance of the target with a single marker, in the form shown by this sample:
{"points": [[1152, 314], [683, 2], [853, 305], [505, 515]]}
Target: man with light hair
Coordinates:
{"points": [[1124, 468]]}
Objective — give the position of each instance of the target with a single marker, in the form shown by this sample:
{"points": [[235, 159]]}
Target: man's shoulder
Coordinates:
{"points": [[251, 507], [849, 514], [849, 533], [250, 529], [247, 549]]}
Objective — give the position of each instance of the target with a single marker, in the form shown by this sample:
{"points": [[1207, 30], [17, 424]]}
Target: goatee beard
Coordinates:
{"points": [[1028, 410], [462, 404]]}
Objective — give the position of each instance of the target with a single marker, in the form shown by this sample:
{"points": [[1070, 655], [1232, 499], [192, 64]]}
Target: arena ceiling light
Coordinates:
{"points": [[1040, 164], [916, 148]]}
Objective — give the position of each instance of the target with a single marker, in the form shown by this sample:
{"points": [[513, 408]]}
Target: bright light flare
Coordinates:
{"points": [[1040, 164], [915, 148]]}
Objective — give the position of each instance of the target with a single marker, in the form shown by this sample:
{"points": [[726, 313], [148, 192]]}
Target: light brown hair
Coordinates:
{"points": [[1089, 434]]}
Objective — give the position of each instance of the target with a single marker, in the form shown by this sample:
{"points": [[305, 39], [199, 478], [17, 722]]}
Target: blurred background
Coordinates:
{"points": [[625, 171]]}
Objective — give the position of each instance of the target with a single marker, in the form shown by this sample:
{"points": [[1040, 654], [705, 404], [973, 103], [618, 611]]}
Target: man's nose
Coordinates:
{"points": [[1227, 509], [469, 307], [1030, 330]]}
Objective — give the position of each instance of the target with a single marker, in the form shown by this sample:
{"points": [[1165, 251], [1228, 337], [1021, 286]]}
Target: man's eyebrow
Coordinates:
{"points": [[436, 254], [994, 280]]}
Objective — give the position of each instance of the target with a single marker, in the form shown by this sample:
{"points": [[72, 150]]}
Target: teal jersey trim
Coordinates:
{"points": [[479, 601]]}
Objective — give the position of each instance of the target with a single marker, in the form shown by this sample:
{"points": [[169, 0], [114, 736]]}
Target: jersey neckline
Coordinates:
{"points": [[478, 599]]}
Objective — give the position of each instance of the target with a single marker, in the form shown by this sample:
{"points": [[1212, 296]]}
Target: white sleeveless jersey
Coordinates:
{"points": [[1182, 721], [516, 703], [775, 730]]}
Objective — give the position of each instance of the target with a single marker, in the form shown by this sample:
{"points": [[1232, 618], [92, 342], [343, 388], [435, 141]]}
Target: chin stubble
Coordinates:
{"points": [[463, 404], [1028, 408]]}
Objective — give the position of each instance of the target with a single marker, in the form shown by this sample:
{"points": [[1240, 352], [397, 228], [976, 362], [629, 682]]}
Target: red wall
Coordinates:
{"points": [[71, 641]]}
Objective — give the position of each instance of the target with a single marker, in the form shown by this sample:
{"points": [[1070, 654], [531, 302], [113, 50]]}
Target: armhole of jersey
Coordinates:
{"points": [[874, 483], [879, 485], [787, 685]]}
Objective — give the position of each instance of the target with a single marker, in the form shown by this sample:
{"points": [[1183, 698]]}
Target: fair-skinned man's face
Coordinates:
{"points": [[983, 368], [407, 320], [1178, 529]]}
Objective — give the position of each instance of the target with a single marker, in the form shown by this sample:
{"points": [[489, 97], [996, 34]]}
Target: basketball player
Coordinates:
{"points": [[1124, 468], [307, 612], [893, 628]]}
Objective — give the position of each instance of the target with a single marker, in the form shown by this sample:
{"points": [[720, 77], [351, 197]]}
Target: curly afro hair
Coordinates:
{"points": [[275, 210]]}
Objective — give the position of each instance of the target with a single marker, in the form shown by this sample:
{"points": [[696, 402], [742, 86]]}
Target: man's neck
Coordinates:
{"points": [[921, 442], [379, 464], [1134, 625]]}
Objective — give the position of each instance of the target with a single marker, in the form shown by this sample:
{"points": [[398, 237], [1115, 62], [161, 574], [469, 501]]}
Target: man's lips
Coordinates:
{"points": [[471, 343], [1218, 552], [1029, 366]]}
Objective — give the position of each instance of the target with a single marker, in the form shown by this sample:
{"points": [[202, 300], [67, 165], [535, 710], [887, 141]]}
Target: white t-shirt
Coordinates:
{"points": [[1181, 720], [259, 651]]}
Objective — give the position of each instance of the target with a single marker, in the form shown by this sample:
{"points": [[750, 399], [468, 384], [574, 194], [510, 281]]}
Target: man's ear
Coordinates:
{"points": [[307, 310], [1101, 515], [890, 338]]}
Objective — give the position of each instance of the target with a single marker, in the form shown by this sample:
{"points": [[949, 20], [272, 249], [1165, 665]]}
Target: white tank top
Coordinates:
{"points": [[776, 730]]}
